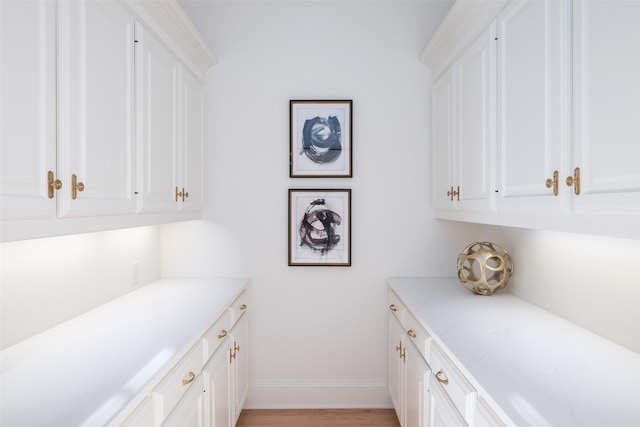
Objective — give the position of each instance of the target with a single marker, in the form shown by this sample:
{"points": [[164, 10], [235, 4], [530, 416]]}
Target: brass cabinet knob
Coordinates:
{"points": [[574, 181], [76, 186], [411, 333], [392, 307], [52, 184], [553, 183], [223, 333]]}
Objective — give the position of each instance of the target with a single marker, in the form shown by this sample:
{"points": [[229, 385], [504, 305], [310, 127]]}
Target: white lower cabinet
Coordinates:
{"points": [[209, 385], [425, 386], [227, 378], [217, 386], [442, 411], [189, 412]]}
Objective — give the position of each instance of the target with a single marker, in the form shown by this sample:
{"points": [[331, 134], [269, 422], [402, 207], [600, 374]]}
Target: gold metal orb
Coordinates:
{"points": [[484, 268]]}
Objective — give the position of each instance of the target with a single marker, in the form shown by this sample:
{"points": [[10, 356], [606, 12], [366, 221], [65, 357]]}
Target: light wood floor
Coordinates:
{"points": [[317, 418]]}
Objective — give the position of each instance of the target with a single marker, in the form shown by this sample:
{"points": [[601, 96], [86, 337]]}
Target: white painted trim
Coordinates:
{"points": [[313, 394]]}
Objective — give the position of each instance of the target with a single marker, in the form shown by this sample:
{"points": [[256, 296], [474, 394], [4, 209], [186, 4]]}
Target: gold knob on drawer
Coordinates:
{"points": [[243, 307], [223, 333], [411, 333], [442, 378], [192, 377], [392, 307]]}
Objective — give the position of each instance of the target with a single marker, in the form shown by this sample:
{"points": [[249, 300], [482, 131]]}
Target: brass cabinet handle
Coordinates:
{"points": [[231, 356], [192, 377], [575, 181], [52, 184], [178, 194], [399, 347], [442, 378], [75, 186], [392, 307], [236, 348], [454, 193], [411, 333], [553, 183], [223, 333], [243, 307]]}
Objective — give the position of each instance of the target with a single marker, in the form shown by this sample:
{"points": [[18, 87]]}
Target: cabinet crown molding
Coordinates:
{"points": [[461, 25], [169, 20]]}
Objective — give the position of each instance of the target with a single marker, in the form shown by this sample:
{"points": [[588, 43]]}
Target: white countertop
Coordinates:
{"points": [[539, 368], [84, 371]]}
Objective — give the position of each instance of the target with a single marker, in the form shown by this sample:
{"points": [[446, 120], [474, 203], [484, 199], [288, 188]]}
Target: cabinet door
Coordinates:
{"points": [[442, 411], [142, 416], [217, 387], [27, 108], [189, 412], [417, 400], [442, 142], [96, 106], [157, 76], [396, 366], [240, 366], [533, 71], [606, 105], [192, 142], [474, 129]]}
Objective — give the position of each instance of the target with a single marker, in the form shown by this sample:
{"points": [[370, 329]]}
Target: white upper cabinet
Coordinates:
{"points": [[606, 107], [532, 107], [192, 163], [96, 105], [463, 135], [94, 124], [564, 119], [474, 94], [158, 86], [27, 108], [171, 104]]}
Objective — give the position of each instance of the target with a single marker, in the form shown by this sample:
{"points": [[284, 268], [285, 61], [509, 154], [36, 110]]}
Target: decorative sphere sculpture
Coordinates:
{"points": [[484, 268]]}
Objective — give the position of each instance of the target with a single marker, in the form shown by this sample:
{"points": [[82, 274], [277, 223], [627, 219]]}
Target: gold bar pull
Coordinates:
{"points": [[451, 193], [178, 194], [441, 377], [575, 181], [457, 193], [192, 377], [52, 184], [553, 183], [75, 187]]}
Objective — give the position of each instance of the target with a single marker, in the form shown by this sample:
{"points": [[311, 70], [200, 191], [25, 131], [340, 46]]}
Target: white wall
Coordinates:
{"points": [[318, 334], [44, 282]]}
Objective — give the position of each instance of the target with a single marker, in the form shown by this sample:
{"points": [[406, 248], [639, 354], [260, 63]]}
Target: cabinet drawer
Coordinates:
{"points": [[456, 386], [216, 334], [179, 380], [238, 307], [417, 333], [396, 306]]}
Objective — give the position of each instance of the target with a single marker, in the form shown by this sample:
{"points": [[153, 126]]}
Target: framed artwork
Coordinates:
{"points": [[319, 227], [320, 139]]}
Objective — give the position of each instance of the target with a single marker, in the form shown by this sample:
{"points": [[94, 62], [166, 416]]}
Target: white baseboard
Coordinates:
{"points": [[314, 394]]}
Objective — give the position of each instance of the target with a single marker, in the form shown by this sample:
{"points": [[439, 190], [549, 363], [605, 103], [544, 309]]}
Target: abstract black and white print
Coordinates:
{"points": [[320, 138], [319, 227]]}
